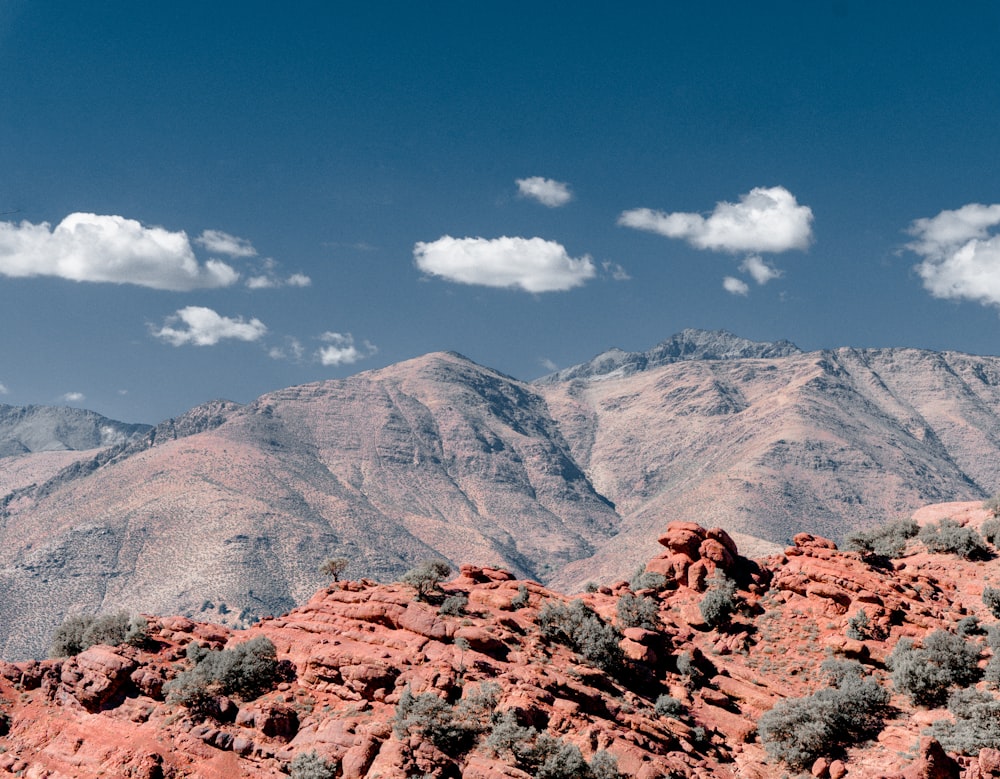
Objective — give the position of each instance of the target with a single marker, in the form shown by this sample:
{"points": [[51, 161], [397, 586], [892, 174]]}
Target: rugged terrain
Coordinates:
{"points": [[226, 511], [682, 699]]}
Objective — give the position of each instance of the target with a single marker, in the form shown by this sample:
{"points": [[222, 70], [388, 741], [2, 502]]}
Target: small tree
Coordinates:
{"points": [[334, 567], [426, 577]]}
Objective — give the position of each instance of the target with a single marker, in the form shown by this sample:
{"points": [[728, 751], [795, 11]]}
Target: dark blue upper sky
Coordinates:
{"points": [[219, 199]]}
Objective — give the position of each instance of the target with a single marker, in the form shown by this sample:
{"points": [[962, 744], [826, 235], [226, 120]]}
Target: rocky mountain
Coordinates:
{"points": [[488, 677], [227, 511], [59, 428]]}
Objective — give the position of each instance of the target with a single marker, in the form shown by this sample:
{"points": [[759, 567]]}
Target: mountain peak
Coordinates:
{"points": [[689, 344]]}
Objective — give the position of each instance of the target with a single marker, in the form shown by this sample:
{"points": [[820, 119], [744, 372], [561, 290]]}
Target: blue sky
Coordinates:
{"points": [[219, 199]]}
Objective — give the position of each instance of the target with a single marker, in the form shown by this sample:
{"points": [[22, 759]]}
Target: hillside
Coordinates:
{"points": [[563, 481], [374, 681]]}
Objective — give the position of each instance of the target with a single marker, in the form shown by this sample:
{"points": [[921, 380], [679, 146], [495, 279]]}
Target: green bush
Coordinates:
{"points": [[309, 765], [990, 530], [969, 626], [520, 600], [638, 611], [947, 536], [246, 671], [578, 627], [668, 706], [80, 631], [992, 505], [926, 673], [887, 541], [452, 729], [647, 580], [426, 577], [853, 708], [454, 605], [976, 723], [719, 601], [991, 597]]}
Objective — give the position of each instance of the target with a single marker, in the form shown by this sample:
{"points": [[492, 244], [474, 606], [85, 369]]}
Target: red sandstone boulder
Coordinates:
{"points": [[683, 537]]}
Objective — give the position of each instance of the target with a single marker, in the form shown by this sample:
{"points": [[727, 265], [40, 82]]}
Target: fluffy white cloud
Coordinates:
{"points": [[341, 350], [204, 327], [92, 247], [546, 191], [759, 270], [73, 397], [224, 243], [298, 280], [961, 255], [532, 264], [767, 219], [735, 286]]}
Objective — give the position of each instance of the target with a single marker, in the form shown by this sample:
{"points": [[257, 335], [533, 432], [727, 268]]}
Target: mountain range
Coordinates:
{"points": [[227, 511]]}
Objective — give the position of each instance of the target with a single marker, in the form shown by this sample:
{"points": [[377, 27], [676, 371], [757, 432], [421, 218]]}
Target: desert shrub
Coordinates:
{"points": [[454, 605], [452, 729], [426, 577], [990, 530], [926, 673], [719, 601], [991, 597], [859, 626], [520, 600], [976, 723], [992, 505], [798, 730], [309, 765], [647, 580], [334, 567], [245, 671], [886, 541], [80, 631], [591, 587], [582, 630], [969, 626], [637, 611], [545, 756], [947, 536], [668, 706]]}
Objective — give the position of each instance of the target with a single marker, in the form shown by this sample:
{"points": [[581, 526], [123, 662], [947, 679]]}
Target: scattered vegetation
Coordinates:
{"points": [[947, 536], [637, 611], [545, 756], [992, 505], [886, 542], [246, 671], [334, 567], [719, 602], [976, 723], [80, 631], [452, 729], [426, 577], [520, 600], [926, 673], [851, 709], [309, 765], [583, 631]]}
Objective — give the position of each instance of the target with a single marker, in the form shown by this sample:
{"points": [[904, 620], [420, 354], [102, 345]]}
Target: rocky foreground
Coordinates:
{"points": [[683, 699]]}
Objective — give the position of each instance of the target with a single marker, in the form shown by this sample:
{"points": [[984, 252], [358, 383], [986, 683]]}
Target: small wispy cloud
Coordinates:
{"points": [[961, 253], [616, 271], [548, 192], [223, 243], [340, 349], [292, 350], [267, 277], [73, 397], [546, 363], [766, 219], [759, 270], [202, 326], [3, 389], [530, 264], [735, 286]]}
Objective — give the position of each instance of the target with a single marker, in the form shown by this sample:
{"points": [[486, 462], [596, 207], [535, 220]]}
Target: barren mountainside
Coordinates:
{"points": [[227, 511]]}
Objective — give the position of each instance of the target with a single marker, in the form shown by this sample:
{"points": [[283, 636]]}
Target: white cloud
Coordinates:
{"points": [[3, 389], [546, 191], [340, 349], [262, 282], [92, 247], [73, 397], [293, 350], [224, 243], [298, 280], [759, 270], [204, 327], [532, 264], [767, 219], [961, 255], [735, 286], [616, 271], [546, 363]]}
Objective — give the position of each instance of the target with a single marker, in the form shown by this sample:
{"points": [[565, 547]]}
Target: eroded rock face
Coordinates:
{"points": [[356, 648]]}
